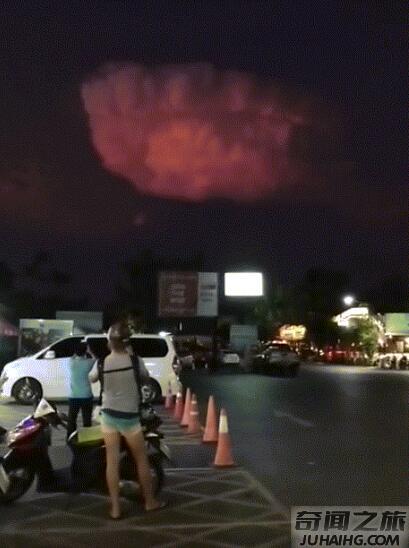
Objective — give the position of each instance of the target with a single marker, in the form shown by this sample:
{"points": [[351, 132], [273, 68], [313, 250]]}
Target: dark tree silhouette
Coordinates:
{"points": [[320, 292], [137, 291]]}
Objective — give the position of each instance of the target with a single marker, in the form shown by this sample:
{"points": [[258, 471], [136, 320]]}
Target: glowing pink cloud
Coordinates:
{"points": [[191, 132]]}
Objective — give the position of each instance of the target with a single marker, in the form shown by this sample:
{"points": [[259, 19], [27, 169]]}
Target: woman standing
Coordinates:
{"points": [[120, 416], [80, 397]]}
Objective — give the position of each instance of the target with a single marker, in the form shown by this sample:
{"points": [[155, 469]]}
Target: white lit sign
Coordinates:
{"points": [[356, 313], [243, 284]]}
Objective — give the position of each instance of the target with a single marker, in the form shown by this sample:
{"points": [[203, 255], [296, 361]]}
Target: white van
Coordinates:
{"points": [[46, 373]]}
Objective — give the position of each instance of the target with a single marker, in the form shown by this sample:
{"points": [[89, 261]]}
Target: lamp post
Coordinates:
{"points": [[348, 300]]}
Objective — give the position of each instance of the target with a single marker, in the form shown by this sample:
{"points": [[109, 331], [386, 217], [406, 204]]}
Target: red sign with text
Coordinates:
{"points": [[188, 294], [178, 294]]}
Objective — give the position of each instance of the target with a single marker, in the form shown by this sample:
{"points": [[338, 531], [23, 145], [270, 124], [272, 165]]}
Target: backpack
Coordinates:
{"points": [[148, 417]]}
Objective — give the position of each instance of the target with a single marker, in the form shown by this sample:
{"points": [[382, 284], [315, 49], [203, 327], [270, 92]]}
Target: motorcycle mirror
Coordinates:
{"points": [[43, 409]]}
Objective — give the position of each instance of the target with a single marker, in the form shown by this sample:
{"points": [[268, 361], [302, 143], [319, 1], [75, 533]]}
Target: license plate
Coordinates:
{"points": [[4, 480]]}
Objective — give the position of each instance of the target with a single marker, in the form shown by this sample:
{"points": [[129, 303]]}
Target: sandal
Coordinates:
{"points": [[162, 505], [114, 517]]}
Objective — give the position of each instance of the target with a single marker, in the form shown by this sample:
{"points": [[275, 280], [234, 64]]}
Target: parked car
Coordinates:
{"points": [[192, 353], [276, 357], [344, 355], [46, 373], [187, 361]]}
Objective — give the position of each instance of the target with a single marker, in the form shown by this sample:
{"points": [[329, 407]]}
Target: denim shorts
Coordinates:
{"points": [[110, 424]]}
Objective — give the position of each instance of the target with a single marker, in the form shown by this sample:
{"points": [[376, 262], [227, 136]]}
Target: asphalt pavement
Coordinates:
{"points": [[207, 506], [334, 435]]}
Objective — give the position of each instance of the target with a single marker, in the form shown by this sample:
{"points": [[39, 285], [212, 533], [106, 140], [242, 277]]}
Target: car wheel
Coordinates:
{"points": [[151, 391], [27, 391]]}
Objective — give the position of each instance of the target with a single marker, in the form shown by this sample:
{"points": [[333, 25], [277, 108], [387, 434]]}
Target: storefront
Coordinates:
{"points": [[397, 332]]}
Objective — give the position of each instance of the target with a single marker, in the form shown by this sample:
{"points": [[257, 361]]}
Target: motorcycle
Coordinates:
{"points": [[28, 457]]}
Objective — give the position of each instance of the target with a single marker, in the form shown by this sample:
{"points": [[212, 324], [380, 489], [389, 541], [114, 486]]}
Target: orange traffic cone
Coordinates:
{"points": [[210, 433], [169, 398], [186, 410], [194, 425], [223, 456], [178, 412]]}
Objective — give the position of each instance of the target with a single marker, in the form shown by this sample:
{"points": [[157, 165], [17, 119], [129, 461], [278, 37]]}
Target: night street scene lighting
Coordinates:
{"points": [[226, 184]]}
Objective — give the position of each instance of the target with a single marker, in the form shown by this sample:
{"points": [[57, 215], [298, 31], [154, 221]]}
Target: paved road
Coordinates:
{"points": [[207, 507], [336, 435]]}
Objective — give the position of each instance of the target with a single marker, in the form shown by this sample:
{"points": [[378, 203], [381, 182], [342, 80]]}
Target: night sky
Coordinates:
{"points": [[262, 133]]}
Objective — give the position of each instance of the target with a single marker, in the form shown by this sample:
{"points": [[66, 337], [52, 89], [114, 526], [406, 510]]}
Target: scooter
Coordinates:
{"points": [[28, 457]]}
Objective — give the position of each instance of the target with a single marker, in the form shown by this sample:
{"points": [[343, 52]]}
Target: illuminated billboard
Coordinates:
{"points": [[397, 324], [293, 332], [243, 284]]}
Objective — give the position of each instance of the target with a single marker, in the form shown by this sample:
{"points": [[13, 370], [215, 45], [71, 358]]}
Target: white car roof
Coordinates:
{"points": [[133, 336]]}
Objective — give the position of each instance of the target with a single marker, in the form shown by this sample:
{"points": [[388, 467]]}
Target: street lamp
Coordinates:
{"points": [[348, 300]]}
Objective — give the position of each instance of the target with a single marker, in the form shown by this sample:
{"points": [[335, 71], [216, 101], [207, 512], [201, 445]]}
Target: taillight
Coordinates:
{"points": [[176, 365]]}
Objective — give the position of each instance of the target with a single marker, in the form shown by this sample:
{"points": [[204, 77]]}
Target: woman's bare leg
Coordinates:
{"points": [[136, 444], [112, 444]]}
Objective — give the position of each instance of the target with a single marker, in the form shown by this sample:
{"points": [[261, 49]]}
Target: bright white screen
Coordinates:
{"points": [[243, 284]]}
